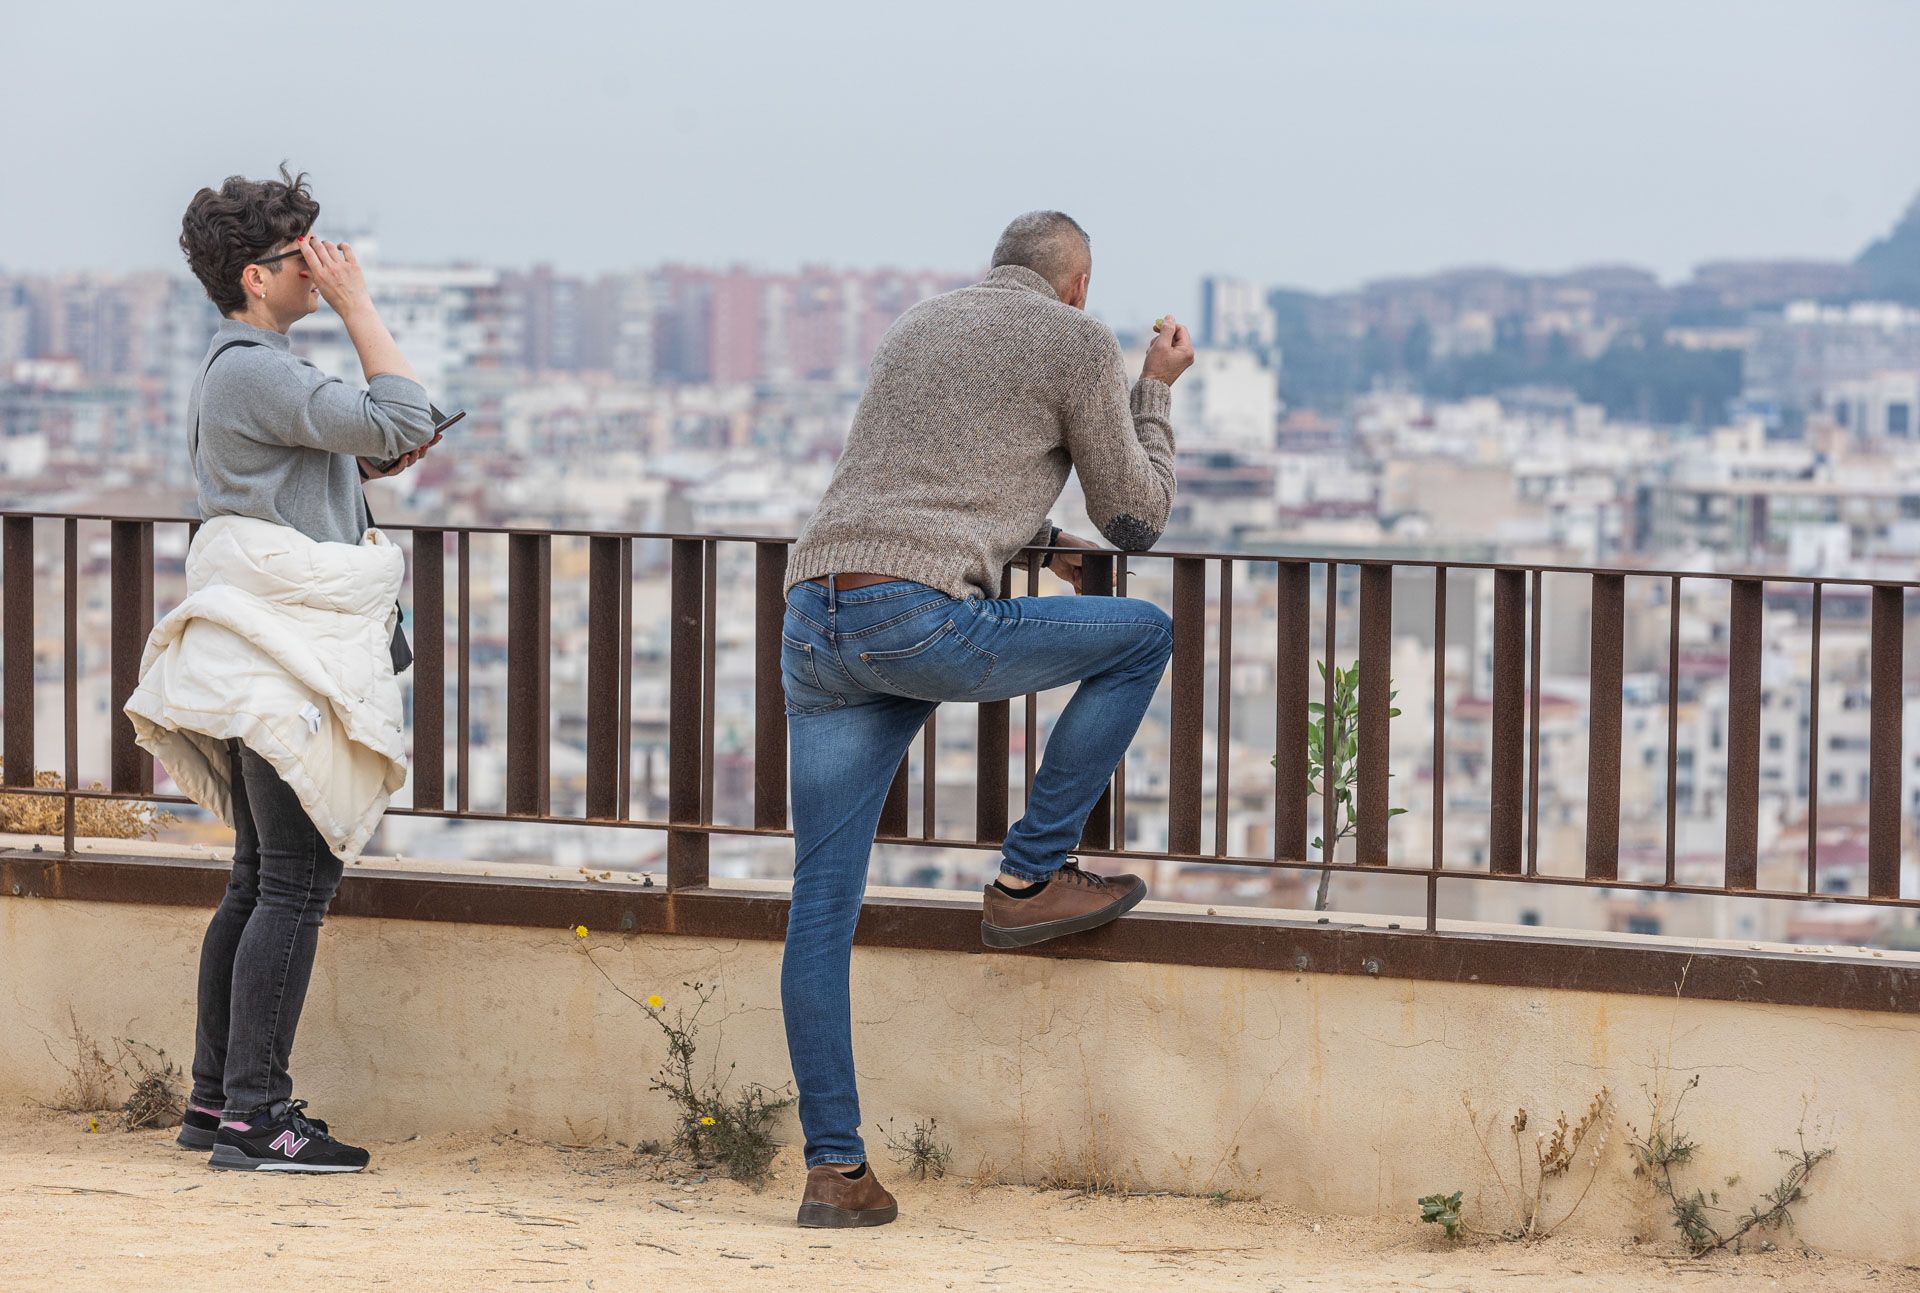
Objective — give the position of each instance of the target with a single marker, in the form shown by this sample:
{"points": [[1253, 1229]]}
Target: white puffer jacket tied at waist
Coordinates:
{"points": [[282, 643]]}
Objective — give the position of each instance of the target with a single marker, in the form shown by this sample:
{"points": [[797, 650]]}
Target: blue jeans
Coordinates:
{"points": [[862, 671]]}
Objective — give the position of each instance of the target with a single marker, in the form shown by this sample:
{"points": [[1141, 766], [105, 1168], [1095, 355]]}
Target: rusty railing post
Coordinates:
{"points": [[131, 561], [686, 849]]}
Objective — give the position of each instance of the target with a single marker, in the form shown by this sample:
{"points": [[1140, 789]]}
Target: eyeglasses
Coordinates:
{"points": [[275, 259]]}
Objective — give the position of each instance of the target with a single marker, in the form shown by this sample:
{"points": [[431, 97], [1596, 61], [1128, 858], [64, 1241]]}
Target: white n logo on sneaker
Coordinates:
{"points": [[289, 1144]]}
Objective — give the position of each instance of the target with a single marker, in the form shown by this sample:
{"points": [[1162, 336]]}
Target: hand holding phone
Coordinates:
{"points": [[374, 470]]}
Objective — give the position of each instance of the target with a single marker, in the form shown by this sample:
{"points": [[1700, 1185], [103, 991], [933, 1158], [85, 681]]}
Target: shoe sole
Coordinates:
{"points": [[194, 1138], [226, 1158], [1028, 935], [824, 1216]]}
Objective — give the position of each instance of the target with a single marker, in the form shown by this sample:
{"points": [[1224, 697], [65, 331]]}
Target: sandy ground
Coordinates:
{"points": [[121, 1211]]}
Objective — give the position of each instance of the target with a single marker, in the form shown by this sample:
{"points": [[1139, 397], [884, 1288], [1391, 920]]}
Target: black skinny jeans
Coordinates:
{"points": [[258, 953]]}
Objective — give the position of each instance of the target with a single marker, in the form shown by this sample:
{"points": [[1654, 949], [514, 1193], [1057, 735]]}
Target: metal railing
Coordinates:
{"points": [[691, 565]]}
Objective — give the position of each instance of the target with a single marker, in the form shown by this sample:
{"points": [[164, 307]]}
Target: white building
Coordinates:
{"points": [[1233, 313], [1228, 399], [746, 494], [1885, 406], [446, 321], [1808, 348]]}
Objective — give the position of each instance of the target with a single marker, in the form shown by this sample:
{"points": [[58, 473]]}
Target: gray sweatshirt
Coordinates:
{"points": [[279, 438], [979, 404]]}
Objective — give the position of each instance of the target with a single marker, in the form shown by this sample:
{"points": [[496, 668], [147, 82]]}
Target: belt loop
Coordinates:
{"points": [[833, 602]]}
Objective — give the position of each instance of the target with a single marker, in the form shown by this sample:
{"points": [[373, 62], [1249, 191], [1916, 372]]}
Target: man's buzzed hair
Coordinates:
{"points": [[1050, 243]]}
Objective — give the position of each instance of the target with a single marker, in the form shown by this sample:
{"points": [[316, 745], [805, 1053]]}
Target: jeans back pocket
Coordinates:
{"points": [[941, 666], [800, 679]]}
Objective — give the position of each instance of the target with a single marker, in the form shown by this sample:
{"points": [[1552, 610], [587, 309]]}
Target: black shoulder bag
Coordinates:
{"points": [[398, 648]]}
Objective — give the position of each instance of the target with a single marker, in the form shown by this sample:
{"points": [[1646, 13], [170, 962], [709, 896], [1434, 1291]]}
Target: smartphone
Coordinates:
{"points": [[437, 432]]}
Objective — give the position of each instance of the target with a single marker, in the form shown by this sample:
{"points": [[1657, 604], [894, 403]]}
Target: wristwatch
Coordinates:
{"points": [[1053, 540]]}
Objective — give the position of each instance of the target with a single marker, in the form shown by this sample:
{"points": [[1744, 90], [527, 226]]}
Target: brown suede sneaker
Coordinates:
{"points": [[833, 1201], [1073, 901]]}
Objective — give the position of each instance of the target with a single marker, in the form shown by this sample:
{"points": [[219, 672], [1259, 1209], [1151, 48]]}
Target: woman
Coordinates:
{"points": [[291, 598]]}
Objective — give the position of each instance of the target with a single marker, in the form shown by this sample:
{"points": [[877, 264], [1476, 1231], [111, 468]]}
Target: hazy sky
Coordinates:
{"points": [[1313, 144]]}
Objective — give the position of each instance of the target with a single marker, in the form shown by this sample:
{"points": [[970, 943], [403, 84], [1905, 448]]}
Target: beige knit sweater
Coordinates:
{"points": [[979, 403]]}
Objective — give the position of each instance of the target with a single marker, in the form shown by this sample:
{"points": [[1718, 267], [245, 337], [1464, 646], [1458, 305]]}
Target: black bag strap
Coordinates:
{"points": [[193, 443]]}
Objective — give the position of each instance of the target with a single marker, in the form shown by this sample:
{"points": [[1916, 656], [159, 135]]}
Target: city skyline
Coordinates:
{"points": [[1317, 149]]}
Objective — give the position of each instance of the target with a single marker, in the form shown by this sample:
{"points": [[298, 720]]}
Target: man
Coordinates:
{"points": [[979, 404]]}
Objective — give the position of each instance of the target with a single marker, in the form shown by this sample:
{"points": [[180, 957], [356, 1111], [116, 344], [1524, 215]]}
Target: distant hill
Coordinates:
{"points": [[1891, 266]]}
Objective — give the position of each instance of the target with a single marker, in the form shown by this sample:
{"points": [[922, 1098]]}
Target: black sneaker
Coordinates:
{"points": [[197, 1129], [281, 1139]]}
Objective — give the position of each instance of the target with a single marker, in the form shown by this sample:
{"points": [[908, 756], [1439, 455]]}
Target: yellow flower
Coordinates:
{"points": [[706, 1122], [654, 1002], [579, 931]]}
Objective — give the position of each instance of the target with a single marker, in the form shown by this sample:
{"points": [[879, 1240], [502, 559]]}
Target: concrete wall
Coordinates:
{"points": [[1325, 1093]]}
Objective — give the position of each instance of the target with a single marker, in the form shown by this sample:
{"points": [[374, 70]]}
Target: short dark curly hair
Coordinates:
{"points": [[226, 229]]}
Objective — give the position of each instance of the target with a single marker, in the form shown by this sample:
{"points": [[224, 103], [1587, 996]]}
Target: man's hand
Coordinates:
{"points": [[1171, 352], [1067, 564], [370, 468]]}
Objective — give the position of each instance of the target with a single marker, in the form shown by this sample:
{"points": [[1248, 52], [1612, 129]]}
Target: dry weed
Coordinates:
{"points": [[91, 1076], [111, 819]]}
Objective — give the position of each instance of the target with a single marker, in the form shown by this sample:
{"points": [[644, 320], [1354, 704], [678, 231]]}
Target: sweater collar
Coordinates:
{"points": [[1019, 278], [235, 330]]}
